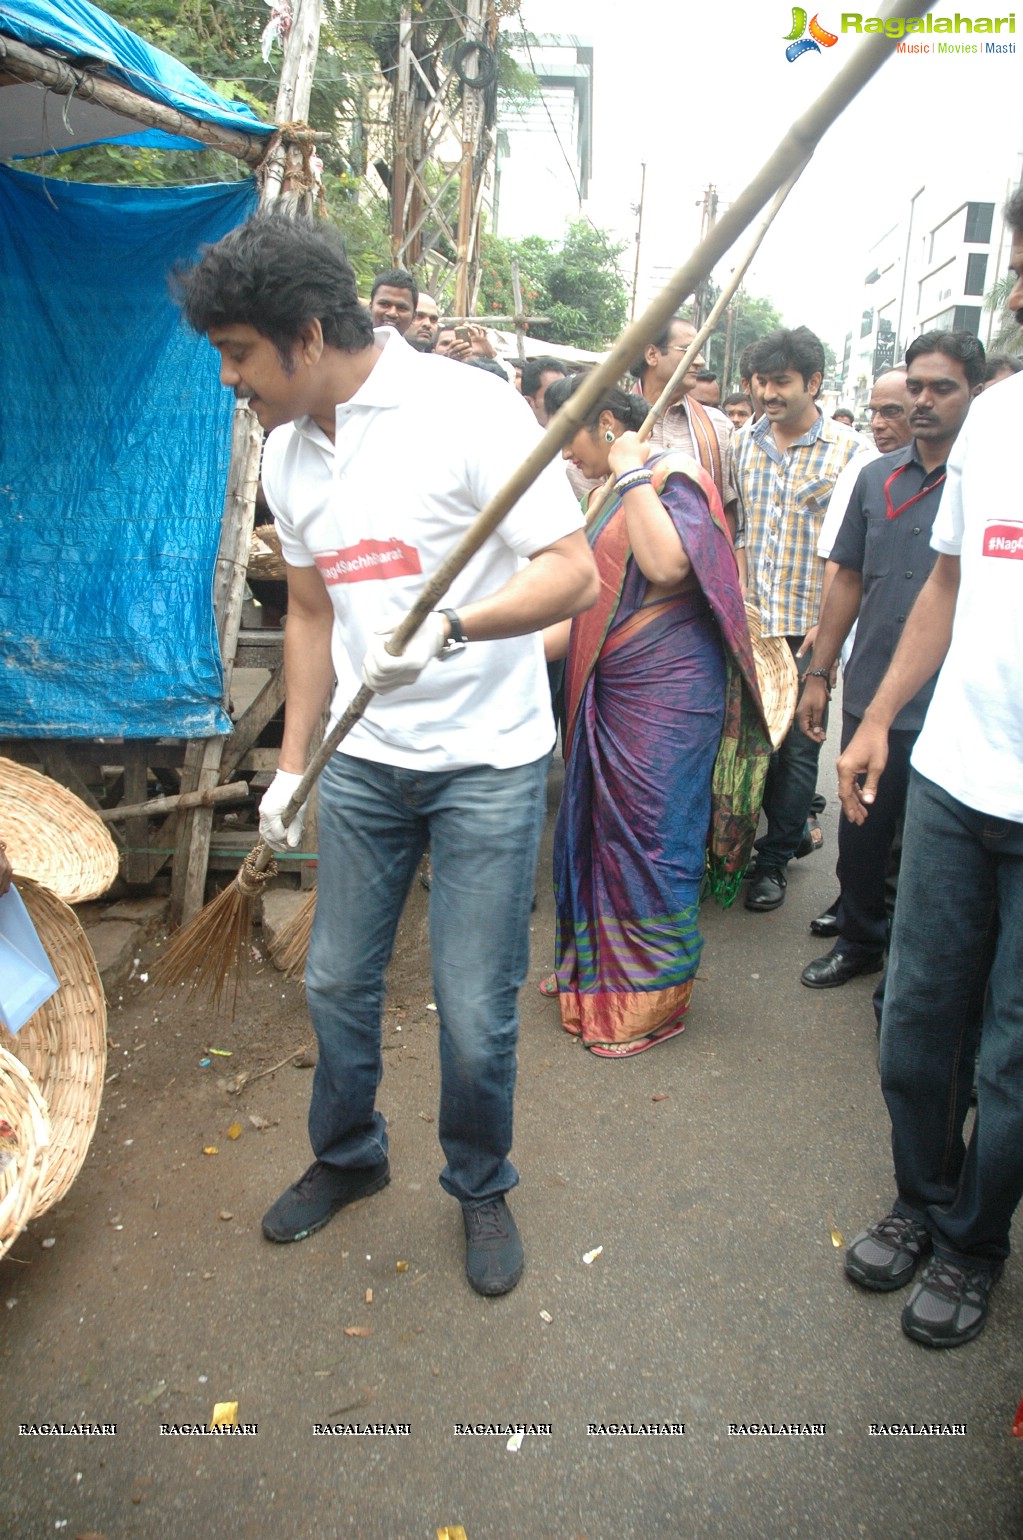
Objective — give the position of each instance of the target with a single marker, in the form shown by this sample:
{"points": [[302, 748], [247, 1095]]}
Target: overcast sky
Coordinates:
{"points": [[704, 94]]}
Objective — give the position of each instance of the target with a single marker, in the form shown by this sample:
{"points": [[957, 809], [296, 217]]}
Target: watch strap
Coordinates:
{"points": [[455, 626]]}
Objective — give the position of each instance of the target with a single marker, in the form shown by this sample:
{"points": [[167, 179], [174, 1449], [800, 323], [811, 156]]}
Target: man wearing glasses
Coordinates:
{"points": [[701, 431], [883, 558]]}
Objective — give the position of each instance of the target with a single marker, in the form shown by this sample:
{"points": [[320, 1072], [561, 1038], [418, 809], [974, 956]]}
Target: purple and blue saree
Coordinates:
{"points": [[662, 702]]}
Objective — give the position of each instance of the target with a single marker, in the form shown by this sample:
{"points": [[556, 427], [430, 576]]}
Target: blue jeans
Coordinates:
{"points": [[483, 827], [789, 788], [955, 974]]}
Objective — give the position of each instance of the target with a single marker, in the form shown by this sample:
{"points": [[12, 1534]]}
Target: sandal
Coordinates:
{"points": [[549, 986], [813, 838], [641, 1044]]}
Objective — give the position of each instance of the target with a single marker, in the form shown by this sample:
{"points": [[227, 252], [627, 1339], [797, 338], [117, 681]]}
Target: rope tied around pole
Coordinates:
{"points": [[252, 878]]}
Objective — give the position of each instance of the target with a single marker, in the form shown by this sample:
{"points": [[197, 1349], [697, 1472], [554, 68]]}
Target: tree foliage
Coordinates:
{"points": [[575, 282]]}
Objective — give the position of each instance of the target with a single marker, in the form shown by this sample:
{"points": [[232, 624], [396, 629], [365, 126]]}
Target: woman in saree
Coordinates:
{"points": [[663, 703]]}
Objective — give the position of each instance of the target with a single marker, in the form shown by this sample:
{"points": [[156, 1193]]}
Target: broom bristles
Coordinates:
{"points": [[206, 955], [291, 946]]}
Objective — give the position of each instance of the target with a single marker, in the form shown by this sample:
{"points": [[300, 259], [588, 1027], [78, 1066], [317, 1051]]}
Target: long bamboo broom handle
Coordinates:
{"points": [[787, 159], [660, 406]]}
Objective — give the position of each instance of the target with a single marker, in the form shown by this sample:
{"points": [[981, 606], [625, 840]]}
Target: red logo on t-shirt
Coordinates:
{"points": [[369, 559], [1004, 540]]}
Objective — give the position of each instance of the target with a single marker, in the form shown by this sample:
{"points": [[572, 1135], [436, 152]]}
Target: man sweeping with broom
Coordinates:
{"points": [[379, 461]]}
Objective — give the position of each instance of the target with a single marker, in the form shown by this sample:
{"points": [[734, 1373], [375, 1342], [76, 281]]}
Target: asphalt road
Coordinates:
{"points": [[711, 1171]]}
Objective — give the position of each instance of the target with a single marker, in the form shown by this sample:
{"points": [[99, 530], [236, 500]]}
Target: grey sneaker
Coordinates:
{"points": [[886, 1256], [493, 1250], [311, 1202], [949, 1304]]}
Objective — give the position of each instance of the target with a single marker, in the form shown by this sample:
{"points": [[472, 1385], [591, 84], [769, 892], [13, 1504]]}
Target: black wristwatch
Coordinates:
{"points": [[457, 640]]}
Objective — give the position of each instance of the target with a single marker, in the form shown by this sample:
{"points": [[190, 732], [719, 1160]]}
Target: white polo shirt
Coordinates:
{"points": [[971, 742], [419, 450]]}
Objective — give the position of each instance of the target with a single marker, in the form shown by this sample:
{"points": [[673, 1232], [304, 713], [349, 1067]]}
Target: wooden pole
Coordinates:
{"points": [[235, 791], [639, 240], [28, 64], [285, 180], [402, 122]]}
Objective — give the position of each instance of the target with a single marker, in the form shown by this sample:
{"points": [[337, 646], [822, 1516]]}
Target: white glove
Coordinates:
{"points": [[382, 672], [275, 799]]}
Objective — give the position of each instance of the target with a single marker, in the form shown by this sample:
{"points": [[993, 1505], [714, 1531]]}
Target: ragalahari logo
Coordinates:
{"points": [[798, 40]]}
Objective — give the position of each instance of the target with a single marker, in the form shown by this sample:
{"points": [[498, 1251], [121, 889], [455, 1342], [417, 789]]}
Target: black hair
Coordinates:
{"points": [[844, 411], [627, 409], [491, 365], [1014, 211], [799, 349], [746, 362], [706, 377], [534, 369], [735, 398], [661, 342], [997, 363], [277, 275], [962, 346], [395, 278]]}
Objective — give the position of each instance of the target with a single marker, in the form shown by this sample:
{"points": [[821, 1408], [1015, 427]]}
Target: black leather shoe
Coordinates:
{"points": [[768, 890], [837, 968], [826, 924]]}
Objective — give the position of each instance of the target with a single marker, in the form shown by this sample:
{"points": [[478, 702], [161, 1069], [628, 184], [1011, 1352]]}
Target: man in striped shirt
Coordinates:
{"points": [[786, 466]]}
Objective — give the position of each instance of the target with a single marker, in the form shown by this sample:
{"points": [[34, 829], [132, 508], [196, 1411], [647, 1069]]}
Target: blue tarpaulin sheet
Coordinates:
{"points": [[114, 452], [83, 34]]}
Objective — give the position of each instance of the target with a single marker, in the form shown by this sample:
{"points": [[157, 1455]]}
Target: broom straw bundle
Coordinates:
{"points": [[206, 954]]}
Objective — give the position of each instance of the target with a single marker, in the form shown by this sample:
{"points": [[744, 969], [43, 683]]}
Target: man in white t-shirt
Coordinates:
{"points": [[380, 461], [957, 945]]}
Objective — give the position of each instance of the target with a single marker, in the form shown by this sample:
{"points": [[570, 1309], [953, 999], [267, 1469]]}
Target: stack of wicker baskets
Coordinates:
{"points": [[52, 1071]]}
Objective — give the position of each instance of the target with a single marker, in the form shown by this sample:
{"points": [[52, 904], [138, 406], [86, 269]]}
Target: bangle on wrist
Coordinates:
{"points": [[640, 477], [820, 673]]}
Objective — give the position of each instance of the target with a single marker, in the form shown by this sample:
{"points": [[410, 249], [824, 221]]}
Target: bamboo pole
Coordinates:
{"points": [[27, 64], [663, 401], [660, 406], [235, 791]]}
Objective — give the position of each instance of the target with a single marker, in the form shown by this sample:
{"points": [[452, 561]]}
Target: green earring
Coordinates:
{"points": [[609, 437]]}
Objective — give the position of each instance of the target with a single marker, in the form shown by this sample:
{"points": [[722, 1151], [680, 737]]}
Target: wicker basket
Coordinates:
{"points": [[64, 1045], [53, 837], [265, 557], [778, 676], [25, 1136]]}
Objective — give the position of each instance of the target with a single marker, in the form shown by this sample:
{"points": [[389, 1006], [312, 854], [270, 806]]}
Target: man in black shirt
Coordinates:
{"points": [[884, 556]]}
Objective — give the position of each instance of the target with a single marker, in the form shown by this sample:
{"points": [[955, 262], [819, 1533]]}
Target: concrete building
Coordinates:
{"points": [[544, 142], [930, 270]]}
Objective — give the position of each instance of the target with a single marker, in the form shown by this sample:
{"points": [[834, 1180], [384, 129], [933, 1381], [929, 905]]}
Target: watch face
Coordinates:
{"points": [[451, 647]]}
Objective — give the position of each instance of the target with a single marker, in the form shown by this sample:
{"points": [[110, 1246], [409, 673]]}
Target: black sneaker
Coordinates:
{"points": [[493, 1250], [886, 1256], [315, 1198], [949, 1304]]}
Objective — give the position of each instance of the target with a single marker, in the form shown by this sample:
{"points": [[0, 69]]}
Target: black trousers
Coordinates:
{"points": [[864, 850]]}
